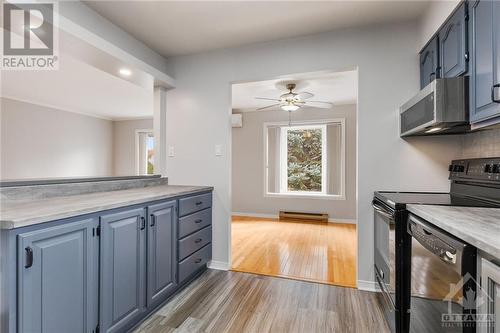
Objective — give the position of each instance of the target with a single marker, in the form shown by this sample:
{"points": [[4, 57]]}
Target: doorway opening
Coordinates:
{"points": [[294, 150]]}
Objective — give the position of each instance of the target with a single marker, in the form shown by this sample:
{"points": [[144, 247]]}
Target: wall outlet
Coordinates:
{"points": [[171, 151], [218, 150]]}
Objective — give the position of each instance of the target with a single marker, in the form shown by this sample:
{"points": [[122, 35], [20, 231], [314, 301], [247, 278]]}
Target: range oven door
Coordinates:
{"points": [[385, 259]]}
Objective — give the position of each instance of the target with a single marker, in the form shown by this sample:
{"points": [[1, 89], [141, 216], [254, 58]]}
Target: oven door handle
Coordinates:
{"points": [[385, 292], [382, 211]]}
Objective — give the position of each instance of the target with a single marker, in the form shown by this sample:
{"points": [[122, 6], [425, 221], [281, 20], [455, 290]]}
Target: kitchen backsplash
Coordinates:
{"points": [[481, 144]]}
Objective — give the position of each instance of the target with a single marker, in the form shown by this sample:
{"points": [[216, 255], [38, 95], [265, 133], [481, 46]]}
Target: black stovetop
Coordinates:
{"points": [[400, 199]]}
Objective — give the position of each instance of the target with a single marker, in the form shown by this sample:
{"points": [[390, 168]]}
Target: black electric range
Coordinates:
{"points": [[474, 183]]}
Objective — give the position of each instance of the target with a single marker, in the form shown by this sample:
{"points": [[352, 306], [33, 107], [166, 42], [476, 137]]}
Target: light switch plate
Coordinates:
{"points": [[171, 151], [218, 150]]}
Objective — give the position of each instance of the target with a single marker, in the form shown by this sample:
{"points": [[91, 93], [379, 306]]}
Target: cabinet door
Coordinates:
{"points": [[429, 66], [490, 284], [162, 265], [485, 60], [57, 289], [453, 44], [123, 269]]}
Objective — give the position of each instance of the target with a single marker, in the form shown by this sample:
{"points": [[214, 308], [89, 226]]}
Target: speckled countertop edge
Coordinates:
{"points": [[477, 226], [22, 213]]}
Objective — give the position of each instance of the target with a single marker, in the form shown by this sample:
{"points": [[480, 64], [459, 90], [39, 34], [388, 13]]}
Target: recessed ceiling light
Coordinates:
{"points": [[125, 72]]}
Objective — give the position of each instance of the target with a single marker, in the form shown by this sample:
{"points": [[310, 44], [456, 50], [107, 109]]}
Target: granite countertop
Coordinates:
{"points": [[477, 226], [21, 213]]}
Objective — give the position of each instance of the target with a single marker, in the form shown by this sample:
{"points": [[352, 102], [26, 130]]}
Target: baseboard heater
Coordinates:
{"points": [[303, 216]]}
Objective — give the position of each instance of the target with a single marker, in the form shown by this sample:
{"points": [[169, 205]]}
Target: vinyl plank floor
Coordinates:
{"points": [[221, 301]]}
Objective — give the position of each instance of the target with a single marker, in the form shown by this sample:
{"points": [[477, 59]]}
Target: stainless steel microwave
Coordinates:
{"points": [[442, 107]]}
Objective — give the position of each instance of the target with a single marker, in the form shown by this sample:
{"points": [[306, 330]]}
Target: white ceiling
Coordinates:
{"points": [[337, 88], [81, 88], [185, 27]]}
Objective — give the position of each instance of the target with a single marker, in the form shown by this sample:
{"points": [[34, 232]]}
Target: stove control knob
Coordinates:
{"points": [[496, 168], [488, 168]]}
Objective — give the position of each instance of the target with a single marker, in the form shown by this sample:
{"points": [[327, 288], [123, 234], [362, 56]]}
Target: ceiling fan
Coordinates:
{"points": [[292, 101]]}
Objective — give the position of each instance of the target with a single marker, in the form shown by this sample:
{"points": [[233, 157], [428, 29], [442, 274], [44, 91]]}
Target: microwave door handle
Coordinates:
{"points": [[493, 99]]}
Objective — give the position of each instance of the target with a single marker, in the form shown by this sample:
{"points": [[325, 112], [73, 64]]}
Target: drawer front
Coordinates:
{"points": [[194, 242], [194, 222], [194, 204], [194, 262]]}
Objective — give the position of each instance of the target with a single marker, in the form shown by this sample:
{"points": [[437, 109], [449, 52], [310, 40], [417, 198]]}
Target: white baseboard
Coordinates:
{"points": [[368, 285], [219, 265], [268, 216], [275, 216], [348, 221]]}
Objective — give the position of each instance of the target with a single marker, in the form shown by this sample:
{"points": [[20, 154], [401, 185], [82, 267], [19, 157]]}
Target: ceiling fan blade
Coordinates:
{"points": [[304, 95], [268, 107], [268, 99], [319, 104]]}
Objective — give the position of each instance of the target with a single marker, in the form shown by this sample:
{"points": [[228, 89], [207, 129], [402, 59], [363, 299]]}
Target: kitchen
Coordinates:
{"points": [[387, 57]]}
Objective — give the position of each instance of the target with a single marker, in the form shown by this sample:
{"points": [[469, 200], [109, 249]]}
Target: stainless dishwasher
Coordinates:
{"points": [[443, 285]]}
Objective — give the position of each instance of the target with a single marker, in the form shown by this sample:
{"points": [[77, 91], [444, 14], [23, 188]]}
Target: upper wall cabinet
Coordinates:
{"points": [[446, 55], [429, 68], [485, 78], [453, 44]]}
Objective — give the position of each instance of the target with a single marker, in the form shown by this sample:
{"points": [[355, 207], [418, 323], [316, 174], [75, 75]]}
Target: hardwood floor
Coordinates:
{"points": [[220, 301], [311, 251]]}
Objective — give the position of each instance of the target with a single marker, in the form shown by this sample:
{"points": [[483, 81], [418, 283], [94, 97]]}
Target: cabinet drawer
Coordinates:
{"points": [[194, 242], [194, 204], [194, 222], [194, 262]]}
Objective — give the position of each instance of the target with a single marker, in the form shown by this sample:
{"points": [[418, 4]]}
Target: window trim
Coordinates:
{"points": [[306, 195]]}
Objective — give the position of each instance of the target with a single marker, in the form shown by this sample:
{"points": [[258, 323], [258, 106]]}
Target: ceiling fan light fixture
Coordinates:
{"points": [[289, 107]]}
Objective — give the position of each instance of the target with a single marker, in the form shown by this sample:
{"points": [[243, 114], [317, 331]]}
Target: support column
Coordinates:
{"points": [[160, 130]]}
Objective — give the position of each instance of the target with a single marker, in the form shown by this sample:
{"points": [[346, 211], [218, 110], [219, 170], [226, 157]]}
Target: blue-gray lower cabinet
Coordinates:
{"points": [[485, 74], [57, 278], [123, 269], [162, 251], [106, 271]]}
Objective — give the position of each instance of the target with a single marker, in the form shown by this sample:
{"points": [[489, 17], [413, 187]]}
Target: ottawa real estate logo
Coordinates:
{"points": [[30, 36]]}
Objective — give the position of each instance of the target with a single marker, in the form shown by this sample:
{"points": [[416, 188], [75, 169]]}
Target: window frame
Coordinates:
{"points": [[306, 194]]}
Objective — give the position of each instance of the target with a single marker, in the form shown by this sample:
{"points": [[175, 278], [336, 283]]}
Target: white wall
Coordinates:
{"points": [[198, 117], [434, 17], [41, 142], [248, 165], [124, 144]]}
